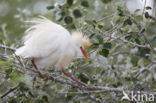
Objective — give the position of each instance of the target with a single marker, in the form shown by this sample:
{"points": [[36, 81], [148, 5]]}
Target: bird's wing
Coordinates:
{"points": [[43, 38]]}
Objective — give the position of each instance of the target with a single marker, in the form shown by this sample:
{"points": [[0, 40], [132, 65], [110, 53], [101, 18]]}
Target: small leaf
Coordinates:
{"points": [[50, 7], [127, 22], [100, 39], [39, 101], [83, 77], [106, 1], [22, 87], [134, 60], [144, 52], [85, 3], [91, 22], [154, 39], [147, 15], [8, 71], [94, 46], [137, 10], [142, 30], [45, 98], [148, 8], [69, 2], [107, 45], [72, 26], [60, 15], [104, 52], [68, 19], [77, 13], [137, 40], [92, 35], [129, 37], [100, 26], [69, 97], [118, 21], [120, 11]]}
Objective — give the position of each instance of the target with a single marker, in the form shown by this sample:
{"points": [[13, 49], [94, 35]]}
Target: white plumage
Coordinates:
{"points": [[50, 44]]}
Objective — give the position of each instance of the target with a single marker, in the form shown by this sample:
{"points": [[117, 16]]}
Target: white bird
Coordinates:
{"points": [[49, 44], [133, 5]]}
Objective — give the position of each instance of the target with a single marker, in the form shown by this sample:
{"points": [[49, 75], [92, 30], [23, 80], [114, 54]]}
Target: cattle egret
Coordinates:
{"points": [[49, 44]]}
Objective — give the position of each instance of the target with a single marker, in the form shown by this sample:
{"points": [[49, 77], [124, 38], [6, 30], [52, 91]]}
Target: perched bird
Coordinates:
{"points": [[49, 44]]}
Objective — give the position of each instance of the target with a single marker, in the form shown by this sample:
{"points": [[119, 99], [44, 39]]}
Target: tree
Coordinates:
{"points": [[123, 54]]}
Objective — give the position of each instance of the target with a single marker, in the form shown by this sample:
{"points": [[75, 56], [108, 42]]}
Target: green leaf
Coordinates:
{"points": [[45, 98], [142, 30], [92, 35], [22, 87], [137, 40], [94, 46], [144, 52], [77, 13], [147, 15], [127, 22], [134, 60], [83, 77], [8, 71], [120, 11], [68, 19], [118, 21], [106, 1], [50, 7], [39, 101], [91, 22], [107, 45], [85, 3], [100, 26], [148, 8], [69, 2], [72, 26], [100, 39], [68, 98], [137, 10], [104, 52], [129, 37]]}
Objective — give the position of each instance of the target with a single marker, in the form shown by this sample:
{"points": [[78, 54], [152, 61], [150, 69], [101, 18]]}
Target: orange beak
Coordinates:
{"points": [[85, 54]]}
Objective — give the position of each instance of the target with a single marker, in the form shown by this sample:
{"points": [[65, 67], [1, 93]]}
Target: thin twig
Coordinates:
{"points": [[151, 17], [84, 90], [106, 17], [13, 50], [139, 27], [6, 47], [103, 91], [9, 91], [96, 99], [144, 8], [148, 68]]}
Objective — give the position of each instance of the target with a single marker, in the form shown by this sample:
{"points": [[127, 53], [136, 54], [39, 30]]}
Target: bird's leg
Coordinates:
{"points": [[33, 62], [74, 79]]}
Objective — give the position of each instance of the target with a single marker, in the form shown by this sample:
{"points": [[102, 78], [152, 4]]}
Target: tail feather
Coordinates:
{"points": [[21, 52]]}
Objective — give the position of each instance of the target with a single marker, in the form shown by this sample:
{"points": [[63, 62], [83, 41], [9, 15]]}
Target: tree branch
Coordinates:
{"points": [[9, 91], [88, 89], [148, 68], [6, 47]]}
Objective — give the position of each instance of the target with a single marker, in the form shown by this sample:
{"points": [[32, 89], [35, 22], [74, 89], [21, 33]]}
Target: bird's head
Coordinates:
{"points": [[82, 42]]}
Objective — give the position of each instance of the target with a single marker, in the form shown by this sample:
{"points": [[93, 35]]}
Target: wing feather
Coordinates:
{"points": [[43, 38]]}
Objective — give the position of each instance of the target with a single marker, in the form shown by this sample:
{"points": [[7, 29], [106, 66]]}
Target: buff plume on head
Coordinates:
{"points": [[78, 36]]}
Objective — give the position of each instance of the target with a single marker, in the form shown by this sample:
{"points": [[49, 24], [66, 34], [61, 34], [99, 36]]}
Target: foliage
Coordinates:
{"points": [[122, 54]]}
